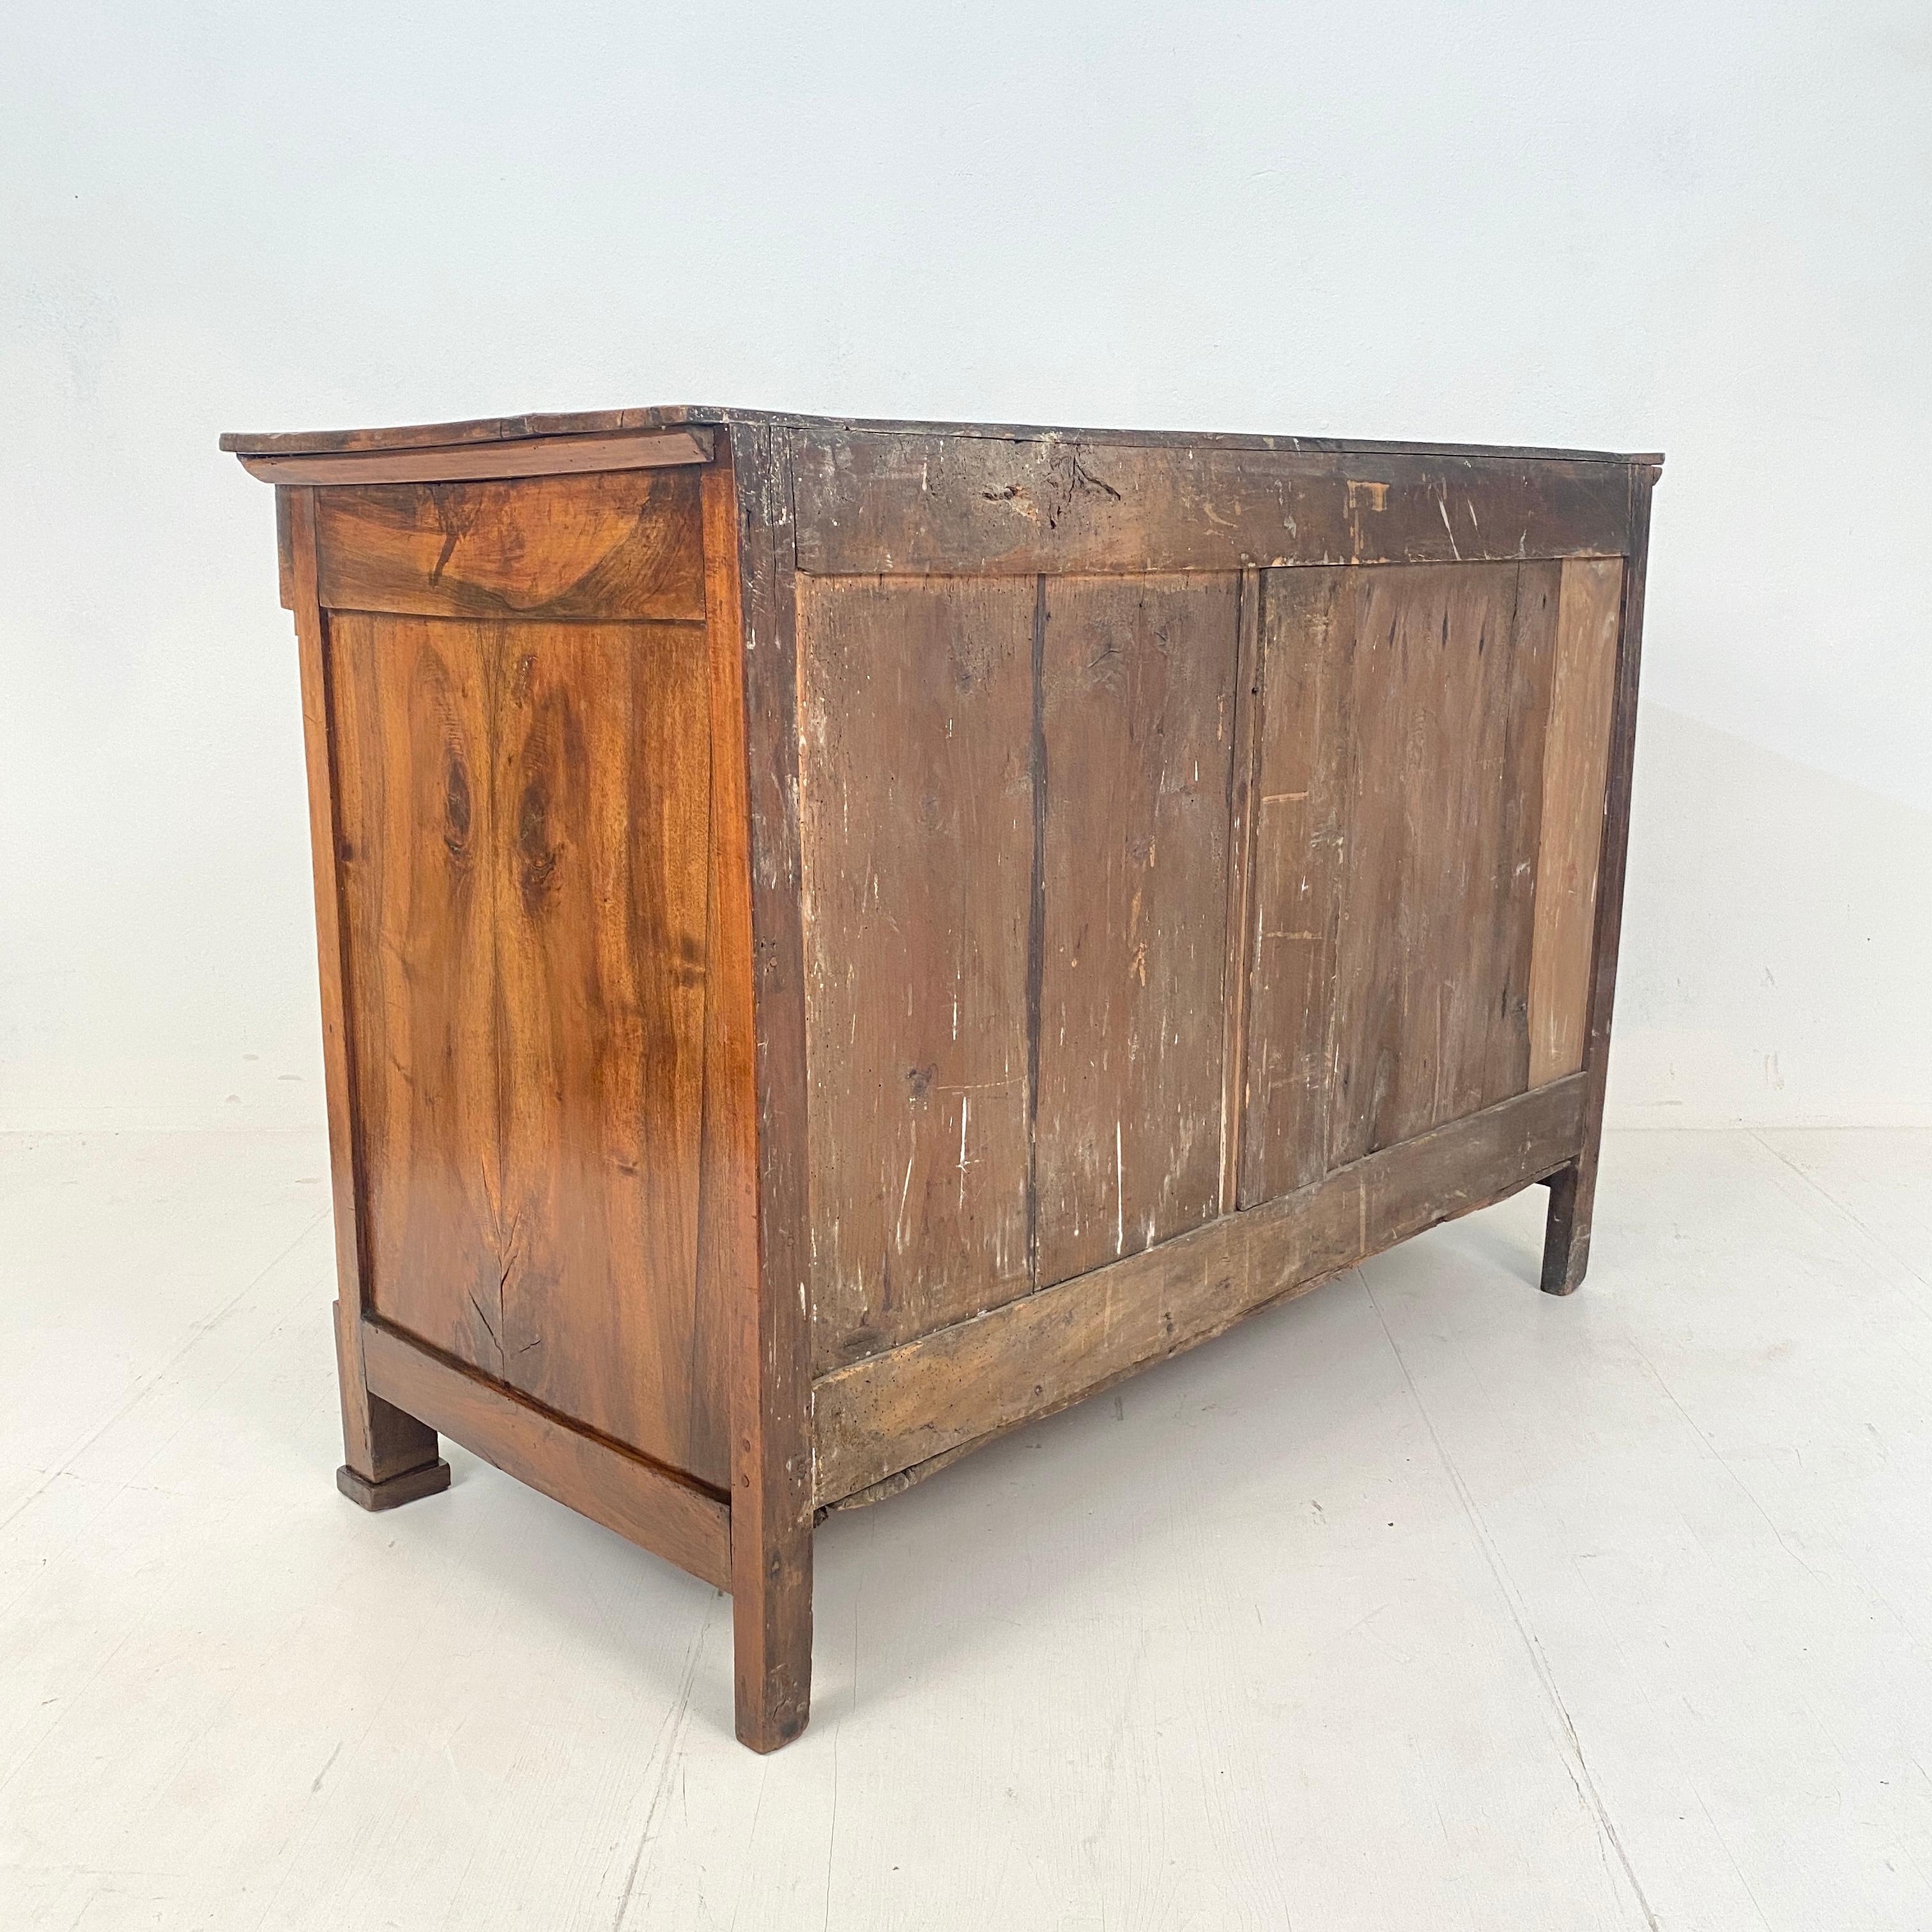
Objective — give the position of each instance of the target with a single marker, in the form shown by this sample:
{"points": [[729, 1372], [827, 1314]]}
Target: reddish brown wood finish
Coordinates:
{"points": [[839, 939]]}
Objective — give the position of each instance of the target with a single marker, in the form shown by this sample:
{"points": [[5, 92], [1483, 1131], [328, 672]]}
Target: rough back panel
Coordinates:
{"points": [[1447, 694], [916, 829], [1137, 705], [1575, 769]]}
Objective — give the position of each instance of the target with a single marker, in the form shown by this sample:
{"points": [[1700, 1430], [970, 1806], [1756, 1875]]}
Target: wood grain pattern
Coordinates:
{"points": [[1138, 697], [914, 505], [382, 1445], [916, 827], [895, 1411], [1576, 766], [650, 1506], [626, 545], [524, 824], [1243, 809], [542, 456], [1302, 702], [949, 905], [602, 793], [1447, 692]]}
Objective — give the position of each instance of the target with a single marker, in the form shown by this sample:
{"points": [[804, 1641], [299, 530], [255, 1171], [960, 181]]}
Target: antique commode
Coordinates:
{"points": [[840, 938]]}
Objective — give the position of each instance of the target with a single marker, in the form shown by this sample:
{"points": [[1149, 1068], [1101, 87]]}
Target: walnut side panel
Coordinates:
{"points": [[524, 812], [878, 1417], [624, 545], [916, 832], [910, 504], [1576, 771], [602, 795], [413, 724], [1138, 708]]}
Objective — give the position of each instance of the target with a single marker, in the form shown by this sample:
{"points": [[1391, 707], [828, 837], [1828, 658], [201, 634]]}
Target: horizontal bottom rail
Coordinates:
{"points": [[649, 1505], [936, 1396]]}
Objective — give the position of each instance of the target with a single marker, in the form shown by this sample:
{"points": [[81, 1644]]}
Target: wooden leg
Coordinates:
{"points": [[771, 1635], [391, 1457], [1566, 1238]]}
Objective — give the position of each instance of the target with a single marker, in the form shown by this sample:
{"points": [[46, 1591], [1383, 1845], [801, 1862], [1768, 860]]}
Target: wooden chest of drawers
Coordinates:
{"points": [[839, 939]]}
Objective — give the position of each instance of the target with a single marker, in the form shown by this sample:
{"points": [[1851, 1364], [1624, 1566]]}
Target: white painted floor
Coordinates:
{"points": [[1425, 1602]]}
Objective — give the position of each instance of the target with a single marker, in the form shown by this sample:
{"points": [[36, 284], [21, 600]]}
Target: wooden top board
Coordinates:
{"points": [[619, 422]]}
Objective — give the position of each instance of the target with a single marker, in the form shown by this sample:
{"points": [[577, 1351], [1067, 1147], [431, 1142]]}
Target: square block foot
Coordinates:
{"points": [[397, 1490]]}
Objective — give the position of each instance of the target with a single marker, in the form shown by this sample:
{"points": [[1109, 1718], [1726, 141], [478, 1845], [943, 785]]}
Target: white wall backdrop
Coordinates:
{"points": [[1689, 227]]}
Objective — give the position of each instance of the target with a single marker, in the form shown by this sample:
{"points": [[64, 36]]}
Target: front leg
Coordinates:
{"points": [[390, 1458]]}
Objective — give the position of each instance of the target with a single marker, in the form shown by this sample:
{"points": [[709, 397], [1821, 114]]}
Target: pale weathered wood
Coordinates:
{"points": [[1303, 725], [535, 457], [1138, 703], [651, 1506], [1446, 691], [599, 547], [1243, 809], [917, 840], [894, 1411], [1576, 765], [916, 505]]}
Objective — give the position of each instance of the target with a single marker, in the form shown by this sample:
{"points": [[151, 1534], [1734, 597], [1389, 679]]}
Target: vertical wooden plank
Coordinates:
{"points": [[1512, 935], [326, 842], [1575, 769], [1432, 953], [381, 1445], [1244, 796], [602, 807], [1138, 703], [414, 711], [771, 1392], [1566, 1251], [1295, 904], [916, 830], [728, 1206]]}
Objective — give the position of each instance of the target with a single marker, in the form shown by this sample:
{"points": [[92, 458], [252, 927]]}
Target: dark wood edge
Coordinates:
{"points": [[1573, 1200], [771, 1428], [325, 843], [431, 1480], [548, 456], [1266, 1253], [606, 422], [658, 1509]]}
